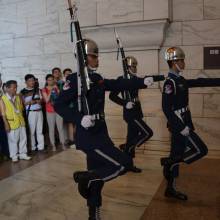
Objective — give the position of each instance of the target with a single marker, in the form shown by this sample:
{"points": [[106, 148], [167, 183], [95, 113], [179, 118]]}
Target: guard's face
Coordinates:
{"points": [[181, 64], [93, 61], [30, 83], [133, 68], [12, 90]]}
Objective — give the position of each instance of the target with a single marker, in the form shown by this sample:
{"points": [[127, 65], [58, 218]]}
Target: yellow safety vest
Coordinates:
{"points": [[13, 112]]}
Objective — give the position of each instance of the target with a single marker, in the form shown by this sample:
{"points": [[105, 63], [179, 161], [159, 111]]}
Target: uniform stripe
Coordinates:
{"points": [[121, 168], [196, 147]]}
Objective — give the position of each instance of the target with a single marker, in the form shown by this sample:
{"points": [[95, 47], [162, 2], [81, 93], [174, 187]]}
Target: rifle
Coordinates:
{"points": [[126, 74], [82, 71]]}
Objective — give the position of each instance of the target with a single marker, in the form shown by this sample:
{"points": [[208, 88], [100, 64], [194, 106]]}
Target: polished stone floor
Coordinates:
{"points": [[45, 191]]}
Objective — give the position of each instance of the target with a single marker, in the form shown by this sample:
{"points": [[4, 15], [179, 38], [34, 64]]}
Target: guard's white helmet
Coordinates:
{"points": [[91, 47], [131, 61], [174, 53]]}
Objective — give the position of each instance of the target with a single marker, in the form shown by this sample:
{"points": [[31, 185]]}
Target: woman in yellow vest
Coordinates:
{"points": [[12, 109]]}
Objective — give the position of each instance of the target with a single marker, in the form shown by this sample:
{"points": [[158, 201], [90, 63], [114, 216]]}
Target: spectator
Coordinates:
{"points": [[70, 127], [32, 100], [56, 72], [50, 93], [12, 109]]}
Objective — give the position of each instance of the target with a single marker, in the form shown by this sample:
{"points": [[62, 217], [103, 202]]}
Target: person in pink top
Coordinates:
{"points": [[50, 93]]}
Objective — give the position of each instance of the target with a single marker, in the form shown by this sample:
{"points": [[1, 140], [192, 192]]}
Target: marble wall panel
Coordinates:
{"points": [[68, 61], [111, 68], [161, 7], [159, 127], [114, 11], [196, 104], [12, 73], [111, 108], [135, 36], [86, 15], [57, 43], [201, 32], [212, 105], [31, 8], [54, 6], [151, 102], [64, 21], [15, 74], [14, 62], [147, 62], [44, 62], [6, 36], [116, 126], [28, 46], [6, 2], [16, 27], [211, 9], [187, 10], [209, 129], [87, 12], [43, 25], [162, 62], [173, 34], [7, 11], [6, 48], [194, 57]]}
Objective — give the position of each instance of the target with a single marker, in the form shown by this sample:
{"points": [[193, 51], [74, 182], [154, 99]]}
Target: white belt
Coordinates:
{"points": [[182, 110]]}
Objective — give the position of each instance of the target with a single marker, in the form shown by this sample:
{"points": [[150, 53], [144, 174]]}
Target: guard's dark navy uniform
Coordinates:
{"points": [[175, 102], [137, 130], [104, 160]]}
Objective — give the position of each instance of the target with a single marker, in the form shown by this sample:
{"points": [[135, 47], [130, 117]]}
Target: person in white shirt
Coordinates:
{"points": [[32, 100]]}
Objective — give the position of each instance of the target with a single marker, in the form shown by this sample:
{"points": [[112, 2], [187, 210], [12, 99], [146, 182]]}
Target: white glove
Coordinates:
{"points": [[129, 105], [148, 81], [87, 121], [185, 131]]}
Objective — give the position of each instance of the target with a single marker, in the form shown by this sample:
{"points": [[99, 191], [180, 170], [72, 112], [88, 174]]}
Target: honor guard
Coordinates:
{"points": [[186, 145], [104, 161], [137, 130]]}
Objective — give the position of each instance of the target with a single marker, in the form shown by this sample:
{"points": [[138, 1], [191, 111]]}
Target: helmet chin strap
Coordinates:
{"points": [[178, 68], [131, 72], [92, 68]]}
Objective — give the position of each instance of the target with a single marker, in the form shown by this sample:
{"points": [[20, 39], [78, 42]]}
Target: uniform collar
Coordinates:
{"points": [[172, 73]]}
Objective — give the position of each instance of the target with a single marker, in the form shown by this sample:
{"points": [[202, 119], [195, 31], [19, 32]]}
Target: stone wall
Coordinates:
{"points": [[34, 38]]}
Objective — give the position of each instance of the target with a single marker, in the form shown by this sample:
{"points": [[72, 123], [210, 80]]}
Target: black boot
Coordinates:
{"points": [[94, 213], [171, 191], [83, 178], [135, 169]]}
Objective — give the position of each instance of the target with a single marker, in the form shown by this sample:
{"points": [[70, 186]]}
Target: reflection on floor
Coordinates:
{"points": [[46, 191], [201, 181]]}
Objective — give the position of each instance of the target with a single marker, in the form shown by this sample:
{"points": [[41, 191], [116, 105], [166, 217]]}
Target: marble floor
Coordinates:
{"points": [[45, 191]]}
